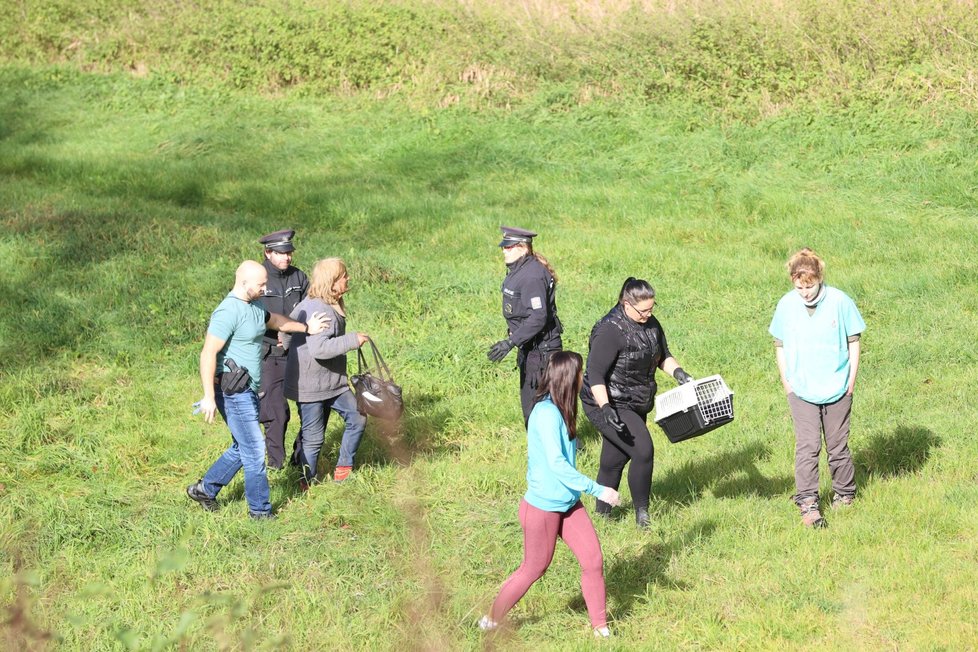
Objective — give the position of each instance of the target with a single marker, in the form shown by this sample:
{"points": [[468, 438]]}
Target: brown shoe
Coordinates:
{"points": [[810, 515], [838, 501]]}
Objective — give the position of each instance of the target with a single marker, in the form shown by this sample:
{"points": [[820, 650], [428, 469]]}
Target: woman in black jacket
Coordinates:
{"points": [[530, 310], [627, 345]]}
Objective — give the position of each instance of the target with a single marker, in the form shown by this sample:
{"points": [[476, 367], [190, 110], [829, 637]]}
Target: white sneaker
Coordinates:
{"points": [[602, 632], [487, 624]]}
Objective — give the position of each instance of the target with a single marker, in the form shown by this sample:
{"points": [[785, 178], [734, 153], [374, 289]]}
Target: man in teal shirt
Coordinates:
{"points": [[235, 333]]}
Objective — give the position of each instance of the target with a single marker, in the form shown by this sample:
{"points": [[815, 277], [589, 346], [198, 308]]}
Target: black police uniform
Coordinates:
{"points": [[530, 310], [284, 290]]}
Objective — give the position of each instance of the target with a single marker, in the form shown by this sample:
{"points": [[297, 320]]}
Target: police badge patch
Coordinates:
{"points": [[536, 303], [508, 308]]}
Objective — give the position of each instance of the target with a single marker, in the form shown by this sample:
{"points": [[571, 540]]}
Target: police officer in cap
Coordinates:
{"points": [[286, 287], [530, 311]]}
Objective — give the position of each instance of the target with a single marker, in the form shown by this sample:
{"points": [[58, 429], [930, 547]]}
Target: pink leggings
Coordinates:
{"points": [[540, 532]]}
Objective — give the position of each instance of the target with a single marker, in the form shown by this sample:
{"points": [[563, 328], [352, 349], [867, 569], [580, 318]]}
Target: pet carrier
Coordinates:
{"points": [[695, 408]]}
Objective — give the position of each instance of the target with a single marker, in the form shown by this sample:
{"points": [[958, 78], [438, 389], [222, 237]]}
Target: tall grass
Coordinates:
{"points": [[742, 58], [126, 204]]}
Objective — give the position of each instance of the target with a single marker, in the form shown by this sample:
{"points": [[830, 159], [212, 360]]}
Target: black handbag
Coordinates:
{"points": [[236, 379], [377, 394]]}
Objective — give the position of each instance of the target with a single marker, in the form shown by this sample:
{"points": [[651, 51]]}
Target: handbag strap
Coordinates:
{"points": [[361, 362], [382, 367]]}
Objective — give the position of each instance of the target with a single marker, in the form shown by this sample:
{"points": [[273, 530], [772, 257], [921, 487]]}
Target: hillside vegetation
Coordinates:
{"points": [[749, 57], [697, 144]]}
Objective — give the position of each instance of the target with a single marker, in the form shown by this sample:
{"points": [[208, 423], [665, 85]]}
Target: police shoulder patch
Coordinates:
{"points": [[536, 303]]}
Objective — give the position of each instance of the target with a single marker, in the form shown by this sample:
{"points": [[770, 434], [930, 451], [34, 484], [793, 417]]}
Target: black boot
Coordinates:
{"points": [[602, 509], [642, 519]]}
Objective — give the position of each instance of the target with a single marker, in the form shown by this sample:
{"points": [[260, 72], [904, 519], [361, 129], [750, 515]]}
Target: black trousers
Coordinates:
{"points": [[273, 410], [531, 365], [618, 448]]}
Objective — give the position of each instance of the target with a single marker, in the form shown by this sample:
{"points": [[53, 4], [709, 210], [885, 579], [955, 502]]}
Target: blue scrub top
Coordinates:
{"points": [[816, 347]]}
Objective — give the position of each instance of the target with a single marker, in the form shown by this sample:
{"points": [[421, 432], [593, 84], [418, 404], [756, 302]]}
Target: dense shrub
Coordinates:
{"points": [[733, 54], [334, 48]]}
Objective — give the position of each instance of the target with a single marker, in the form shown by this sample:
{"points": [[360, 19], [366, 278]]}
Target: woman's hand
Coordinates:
{"points": [[611, 417], [362, 339], [610, 496], [681, 376]]}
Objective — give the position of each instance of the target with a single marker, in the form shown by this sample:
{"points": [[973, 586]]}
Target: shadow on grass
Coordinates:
{"points": [[587, 434], [384, 444], [726, 474], [628, 579], [886, 455], [418, 432], [171, 202]]}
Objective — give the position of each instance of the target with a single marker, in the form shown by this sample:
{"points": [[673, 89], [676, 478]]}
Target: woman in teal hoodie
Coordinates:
{"points": [[551, 507]]}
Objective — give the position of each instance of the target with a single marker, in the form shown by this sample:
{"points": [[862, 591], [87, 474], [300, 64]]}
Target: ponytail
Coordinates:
{"points": [[634, 290], [543, 261]]}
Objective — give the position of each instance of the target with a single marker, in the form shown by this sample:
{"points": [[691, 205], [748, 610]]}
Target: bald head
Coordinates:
{"points": [[247, 270], [249, 280]]}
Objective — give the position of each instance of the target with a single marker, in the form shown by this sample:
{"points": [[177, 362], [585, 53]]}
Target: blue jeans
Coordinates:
{"points": [[314, 417], [247, 451]]}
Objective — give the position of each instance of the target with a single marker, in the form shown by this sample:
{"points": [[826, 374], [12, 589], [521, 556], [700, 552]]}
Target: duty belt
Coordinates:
{"points": [[542, 348]]}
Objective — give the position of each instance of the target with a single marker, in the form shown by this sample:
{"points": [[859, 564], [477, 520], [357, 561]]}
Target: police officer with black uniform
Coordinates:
{"points": [[286, 287], [530, 311]]}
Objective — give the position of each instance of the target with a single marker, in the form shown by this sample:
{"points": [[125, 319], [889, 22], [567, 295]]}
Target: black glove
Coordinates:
{"points": [[612, 418], [681, 376], [499, 350]]}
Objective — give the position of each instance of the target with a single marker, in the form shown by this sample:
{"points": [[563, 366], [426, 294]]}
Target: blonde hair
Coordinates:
{"points": [[324, 276], [806, 266]]}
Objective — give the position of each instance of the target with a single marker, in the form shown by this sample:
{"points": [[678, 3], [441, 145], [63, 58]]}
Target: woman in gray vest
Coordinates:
{"points": [[627, 345]]}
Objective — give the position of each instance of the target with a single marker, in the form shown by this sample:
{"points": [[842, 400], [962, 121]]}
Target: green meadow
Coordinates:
{"points": [[127, 199]]}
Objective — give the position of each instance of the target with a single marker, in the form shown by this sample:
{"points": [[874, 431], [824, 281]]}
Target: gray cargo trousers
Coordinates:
{"points": [[811, 421]]}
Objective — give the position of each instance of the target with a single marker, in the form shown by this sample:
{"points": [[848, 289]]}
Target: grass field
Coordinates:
{"points": [[126, 203]]}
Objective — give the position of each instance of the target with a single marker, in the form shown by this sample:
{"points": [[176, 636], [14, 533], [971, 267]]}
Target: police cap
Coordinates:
{"points": [[280, 241], [514, 236]]}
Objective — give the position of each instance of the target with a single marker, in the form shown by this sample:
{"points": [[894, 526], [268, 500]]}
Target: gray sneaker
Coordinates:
{"points": [[810, 515], [196, 492]]}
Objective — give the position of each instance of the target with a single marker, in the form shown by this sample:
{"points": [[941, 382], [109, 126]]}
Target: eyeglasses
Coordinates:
{"points": [[643, 313]]}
